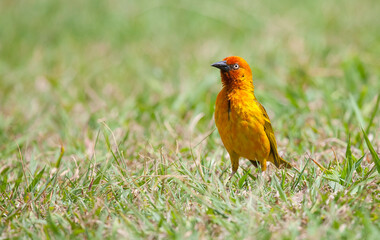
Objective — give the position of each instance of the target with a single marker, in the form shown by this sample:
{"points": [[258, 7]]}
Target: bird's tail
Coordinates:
{"points": [[278, 161], [283, 163]]}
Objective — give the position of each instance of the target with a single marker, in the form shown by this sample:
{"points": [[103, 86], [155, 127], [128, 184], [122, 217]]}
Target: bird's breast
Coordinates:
{"points": [[241, 126]]}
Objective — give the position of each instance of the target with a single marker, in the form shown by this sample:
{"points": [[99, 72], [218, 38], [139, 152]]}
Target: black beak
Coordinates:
{"points": [[222, 65]]}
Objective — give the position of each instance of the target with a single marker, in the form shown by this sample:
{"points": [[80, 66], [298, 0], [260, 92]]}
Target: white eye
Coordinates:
{"points": [[235, 66]]}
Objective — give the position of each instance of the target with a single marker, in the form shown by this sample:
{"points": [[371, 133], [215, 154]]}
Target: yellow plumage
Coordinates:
{"points": [[242, 121]]}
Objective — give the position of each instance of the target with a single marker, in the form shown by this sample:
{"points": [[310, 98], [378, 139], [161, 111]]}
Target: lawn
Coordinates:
{"points": [[107, 129]]}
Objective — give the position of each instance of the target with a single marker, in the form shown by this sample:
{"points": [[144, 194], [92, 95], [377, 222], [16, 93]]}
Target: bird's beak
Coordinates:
{"points": [[222, 65]]}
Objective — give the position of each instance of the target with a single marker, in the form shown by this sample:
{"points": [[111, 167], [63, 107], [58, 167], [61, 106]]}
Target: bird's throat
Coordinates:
{"points": [[236, 89], [236, 84]]}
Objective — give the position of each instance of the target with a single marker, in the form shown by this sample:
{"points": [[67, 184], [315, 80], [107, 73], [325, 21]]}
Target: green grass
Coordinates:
{"points": [[104, 106]]}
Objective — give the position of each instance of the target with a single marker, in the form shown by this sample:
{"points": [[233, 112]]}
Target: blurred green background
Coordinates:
{"points": [[64, 65], [71, 69]]}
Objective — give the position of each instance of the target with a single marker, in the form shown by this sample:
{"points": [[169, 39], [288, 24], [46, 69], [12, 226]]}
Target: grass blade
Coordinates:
{"points": [[300, 175], [60, 157], [242, 179], [373, 114], [279, 189], [35, 180], [358, 168], [357, 111], [348, 167], [374, 155]]}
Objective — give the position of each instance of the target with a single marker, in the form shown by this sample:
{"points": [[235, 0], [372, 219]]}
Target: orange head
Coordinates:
{"points": [[235, 72]]}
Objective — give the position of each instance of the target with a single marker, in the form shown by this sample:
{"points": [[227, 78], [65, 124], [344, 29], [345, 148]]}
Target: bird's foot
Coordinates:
{"points": [[265, 176], [231, 175]]}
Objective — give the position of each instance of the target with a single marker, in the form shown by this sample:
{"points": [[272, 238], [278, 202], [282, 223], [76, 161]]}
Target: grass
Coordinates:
{"points": [[106, 124]]}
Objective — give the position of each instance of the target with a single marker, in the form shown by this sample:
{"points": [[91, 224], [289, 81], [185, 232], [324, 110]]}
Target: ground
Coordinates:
{"points": [[107, 130]]}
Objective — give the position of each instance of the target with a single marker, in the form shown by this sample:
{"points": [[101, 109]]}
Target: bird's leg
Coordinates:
{"points": [[264, 174], [235, 163], [263, 164]]}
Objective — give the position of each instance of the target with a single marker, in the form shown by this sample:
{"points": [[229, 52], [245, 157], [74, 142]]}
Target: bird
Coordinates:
{"points": [[242, 122]]}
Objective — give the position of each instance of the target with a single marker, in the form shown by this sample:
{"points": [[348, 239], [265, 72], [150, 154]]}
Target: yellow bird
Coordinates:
{"points": [[242, 121]]}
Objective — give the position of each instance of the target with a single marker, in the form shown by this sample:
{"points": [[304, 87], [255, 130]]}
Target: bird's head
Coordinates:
{"points": [[234, 70]]}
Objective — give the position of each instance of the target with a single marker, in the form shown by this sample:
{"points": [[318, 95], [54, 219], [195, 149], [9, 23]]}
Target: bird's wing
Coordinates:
{"points": [[278, 161]]}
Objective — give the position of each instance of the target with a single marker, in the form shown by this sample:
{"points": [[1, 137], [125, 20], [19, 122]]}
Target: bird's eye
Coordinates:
{"points": [[235, 66]]}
